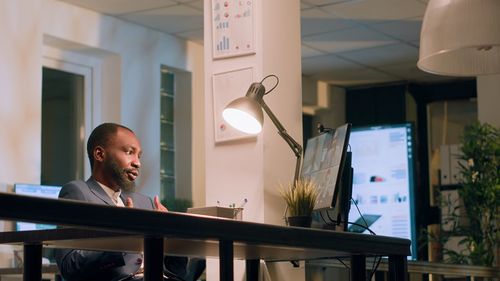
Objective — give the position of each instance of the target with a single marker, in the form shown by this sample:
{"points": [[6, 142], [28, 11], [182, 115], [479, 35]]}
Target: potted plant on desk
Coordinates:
{"points": [[300, 200]]}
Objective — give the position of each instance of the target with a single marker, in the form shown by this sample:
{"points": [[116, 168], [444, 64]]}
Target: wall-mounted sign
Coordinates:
{"points": [[232, 28]]}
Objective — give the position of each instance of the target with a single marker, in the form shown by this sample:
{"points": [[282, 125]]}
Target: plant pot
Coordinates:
{"points": [[302, 221]]}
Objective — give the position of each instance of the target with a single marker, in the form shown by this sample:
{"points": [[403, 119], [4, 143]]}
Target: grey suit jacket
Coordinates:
{"points": [[80, 265]]}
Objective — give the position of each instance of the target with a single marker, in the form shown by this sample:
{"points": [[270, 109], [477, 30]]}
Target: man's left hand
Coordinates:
{"points": [[158, 205]]}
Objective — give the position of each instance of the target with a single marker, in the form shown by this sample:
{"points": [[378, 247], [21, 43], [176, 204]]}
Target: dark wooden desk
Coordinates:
{"points": [[419, 268], [110, 228]]}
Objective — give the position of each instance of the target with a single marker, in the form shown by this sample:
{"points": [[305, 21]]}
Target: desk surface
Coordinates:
{"points": [[109, 241], [185, 234]]}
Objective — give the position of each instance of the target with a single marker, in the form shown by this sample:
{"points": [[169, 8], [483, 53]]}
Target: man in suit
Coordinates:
{"points": [[114, 152]]}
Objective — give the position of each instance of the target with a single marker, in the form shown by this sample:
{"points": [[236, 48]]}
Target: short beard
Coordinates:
{"points": [[120, 176]]}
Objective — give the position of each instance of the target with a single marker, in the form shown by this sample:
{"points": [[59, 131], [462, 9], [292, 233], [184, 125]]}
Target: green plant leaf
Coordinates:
{"points": [[300, 197], [480, 192]]}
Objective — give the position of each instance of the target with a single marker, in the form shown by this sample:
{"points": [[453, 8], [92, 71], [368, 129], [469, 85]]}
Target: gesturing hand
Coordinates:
{"points": [[158, 206], [129, 203]]}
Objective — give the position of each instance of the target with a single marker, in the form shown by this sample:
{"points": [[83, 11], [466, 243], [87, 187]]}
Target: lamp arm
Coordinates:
{"points": [[297, 149], [294, 145]]}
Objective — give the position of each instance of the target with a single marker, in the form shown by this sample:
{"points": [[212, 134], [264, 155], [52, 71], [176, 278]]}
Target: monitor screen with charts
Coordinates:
{"points": [[47, 191], [383, 181]]}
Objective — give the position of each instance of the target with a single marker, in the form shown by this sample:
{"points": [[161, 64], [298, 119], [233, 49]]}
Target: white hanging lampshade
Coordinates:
{"points": [[461, 37]]}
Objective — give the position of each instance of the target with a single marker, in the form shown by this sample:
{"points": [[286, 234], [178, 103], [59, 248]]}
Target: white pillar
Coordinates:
{"points": [[21, 94], [252, 168]]}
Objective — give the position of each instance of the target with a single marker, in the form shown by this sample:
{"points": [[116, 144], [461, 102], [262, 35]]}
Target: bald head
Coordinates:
{"points": [[101, 136]]}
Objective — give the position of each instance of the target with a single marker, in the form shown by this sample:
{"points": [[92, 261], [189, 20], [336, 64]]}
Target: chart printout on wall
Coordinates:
{"points": [[232, 28], [228, 86]]}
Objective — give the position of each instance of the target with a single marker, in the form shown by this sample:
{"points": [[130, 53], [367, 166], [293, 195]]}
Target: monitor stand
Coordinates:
{"points": [[346, 192]]}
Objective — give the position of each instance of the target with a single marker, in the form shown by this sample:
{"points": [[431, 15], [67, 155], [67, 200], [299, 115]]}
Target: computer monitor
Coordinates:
{"points": [[383, 182], [325, 160], [46, 191]]}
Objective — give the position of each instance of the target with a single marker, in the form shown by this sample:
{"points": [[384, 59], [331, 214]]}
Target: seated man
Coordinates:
{"points": [[114, 153]]}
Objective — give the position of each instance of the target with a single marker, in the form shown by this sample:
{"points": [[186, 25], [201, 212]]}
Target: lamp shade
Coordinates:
{"points": [[461, 37], [244, 114]]}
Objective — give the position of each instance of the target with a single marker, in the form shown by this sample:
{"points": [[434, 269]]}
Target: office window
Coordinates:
{"points": [[62, 120], [176, 136], [167, 141]]}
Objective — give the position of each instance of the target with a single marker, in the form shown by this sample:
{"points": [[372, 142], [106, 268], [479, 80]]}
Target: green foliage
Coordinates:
{"points": [[177, 204], [480, 192], [300, 198]]}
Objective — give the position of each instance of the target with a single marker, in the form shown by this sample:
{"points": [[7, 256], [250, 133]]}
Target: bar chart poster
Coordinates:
{"points": [[232, 28]]}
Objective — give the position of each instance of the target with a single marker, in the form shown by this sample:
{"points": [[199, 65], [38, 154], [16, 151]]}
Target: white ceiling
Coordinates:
{"points": [[344, 42]]}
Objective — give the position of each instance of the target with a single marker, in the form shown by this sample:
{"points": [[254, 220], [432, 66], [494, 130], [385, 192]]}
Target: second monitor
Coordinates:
{"points": [[327, 163]]}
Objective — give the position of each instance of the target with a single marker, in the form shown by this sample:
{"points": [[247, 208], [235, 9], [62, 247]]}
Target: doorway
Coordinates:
{"points": [[62, 120]]}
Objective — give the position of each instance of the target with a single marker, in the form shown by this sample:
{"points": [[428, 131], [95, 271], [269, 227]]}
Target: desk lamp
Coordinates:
{"points": [[245, 114]]}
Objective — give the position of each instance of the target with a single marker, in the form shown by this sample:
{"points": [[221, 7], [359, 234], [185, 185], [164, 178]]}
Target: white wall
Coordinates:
{"points": [[252, 168], [242, 169], [488, 99], [332, 101], [279, 23], [309, 91], [130, 57], [20, 91]]}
